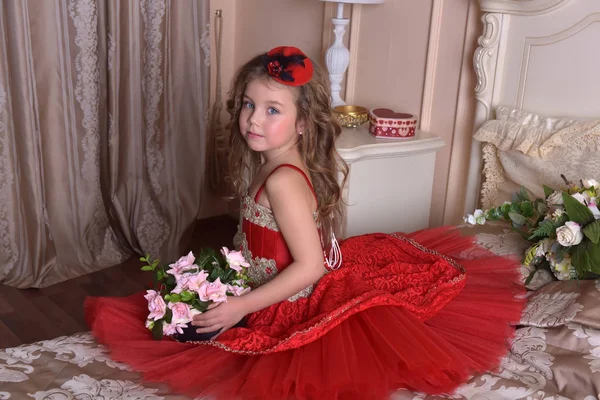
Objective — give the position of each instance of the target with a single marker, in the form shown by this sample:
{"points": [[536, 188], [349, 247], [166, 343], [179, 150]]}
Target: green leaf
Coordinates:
{"points": [[155, 281], [580, 258], [576, 211], [157, 330], [493, 214], [170, 282], [547, 191], [530, 254], [504, 209], [168, 315], [521, 195], [545, 229], [527, 209], [586, 257], [142, 259], [594, 250], [517, 219], [542, 208], [174, 298], [207, 257], [201, 305], [592, 231], [515, 208], [217, 272], [230, 275], [186, 296], [147, 268]]}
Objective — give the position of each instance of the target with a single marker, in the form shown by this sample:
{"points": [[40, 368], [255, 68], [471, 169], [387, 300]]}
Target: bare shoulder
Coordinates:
{"points": [[289, 185], [286, 176]]}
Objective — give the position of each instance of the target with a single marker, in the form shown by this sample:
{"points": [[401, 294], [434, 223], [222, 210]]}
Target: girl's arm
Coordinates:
{"points": [[292, 203]]}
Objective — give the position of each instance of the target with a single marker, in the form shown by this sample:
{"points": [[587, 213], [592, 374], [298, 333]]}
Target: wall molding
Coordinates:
{"points": [[353, 42], [532, 42], [431, 66], [521, 7]]}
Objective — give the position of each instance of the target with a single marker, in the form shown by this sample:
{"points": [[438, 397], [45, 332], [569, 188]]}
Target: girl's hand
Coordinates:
{"points": [[220, 316]]}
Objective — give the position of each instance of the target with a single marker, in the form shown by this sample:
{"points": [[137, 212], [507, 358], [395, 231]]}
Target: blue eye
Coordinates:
{"points": [[273, 111], [247, 104]]}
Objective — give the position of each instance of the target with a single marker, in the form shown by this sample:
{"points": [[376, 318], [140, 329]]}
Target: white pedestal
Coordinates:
{"points": [[390, 181]]}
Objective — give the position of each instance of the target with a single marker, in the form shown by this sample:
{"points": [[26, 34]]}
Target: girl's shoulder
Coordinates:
{"points": [[287, 175], [287, 181]]}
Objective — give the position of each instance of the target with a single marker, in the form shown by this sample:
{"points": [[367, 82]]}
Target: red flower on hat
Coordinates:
{"points": [[274, 68]]}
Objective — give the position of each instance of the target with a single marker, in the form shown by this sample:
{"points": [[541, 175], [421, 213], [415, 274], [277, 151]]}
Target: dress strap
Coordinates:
{"points": [[332, 261], [312, 189]]}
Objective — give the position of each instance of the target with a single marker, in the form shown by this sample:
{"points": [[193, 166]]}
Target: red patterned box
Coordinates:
{"points": [[388, 124]]}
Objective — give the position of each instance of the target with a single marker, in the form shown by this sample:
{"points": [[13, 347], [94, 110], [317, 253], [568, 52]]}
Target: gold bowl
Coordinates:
{"points": [[350, 116]]}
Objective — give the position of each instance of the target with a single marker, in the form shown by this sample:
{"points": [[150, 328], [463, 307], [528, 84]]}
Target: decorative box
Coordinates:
{"points": [[388, 124]]}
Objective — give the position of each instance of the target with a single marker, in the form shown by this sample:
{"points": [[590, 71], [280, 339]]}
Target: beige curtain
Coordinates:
{"points": [[103, 108]]}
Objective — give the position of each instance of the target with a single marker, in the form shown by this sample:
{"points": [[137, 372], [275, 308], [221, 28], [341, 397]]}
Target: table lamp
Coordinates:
{"points": [[337, 56]]}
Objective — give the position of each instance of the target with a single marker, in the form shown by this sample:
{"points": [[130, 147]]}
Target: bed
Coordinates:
{"points": [[537, 81]]}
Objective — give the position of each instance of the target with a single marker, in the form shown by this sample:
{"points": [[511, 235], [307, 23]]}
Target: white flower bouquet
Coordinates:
{"points": [[188, 286], [564, 228]]}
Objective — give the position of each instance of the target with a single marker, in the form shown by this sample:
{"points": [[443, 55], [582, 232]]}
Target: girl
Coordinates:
{"points": [[398, 312]]}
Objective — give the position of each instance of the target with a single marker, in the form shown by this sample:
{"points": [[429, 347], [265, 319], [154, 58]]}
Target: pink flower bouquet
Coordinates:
{"points": [[188, 286]]}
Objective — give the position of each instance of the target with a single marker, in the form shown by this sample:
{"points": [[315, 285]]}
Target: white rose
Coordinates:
{"points": [[477, 217], [555, 198], [563, 270], [589, 183], [569, 234]]}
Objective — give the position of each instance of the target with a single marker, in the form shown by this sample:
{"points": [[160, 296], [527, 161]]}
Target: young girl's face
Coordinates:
{"points": [[268, 117]]}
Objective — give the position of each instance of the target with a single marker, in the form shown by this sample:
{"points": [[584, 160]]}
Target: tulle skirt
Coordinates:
{"points": [[401, 312]]}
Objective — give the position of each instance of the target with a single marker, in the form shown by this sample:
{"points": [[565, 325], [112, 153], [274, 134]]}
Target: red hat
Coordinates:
{"points": [[288, 65]]}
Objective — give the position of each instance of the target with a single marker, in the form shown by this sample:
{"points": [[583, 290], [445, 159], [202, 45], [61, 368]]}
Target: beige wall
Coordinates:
{"points": [[264, 24], [391, 53], [410, 55]]}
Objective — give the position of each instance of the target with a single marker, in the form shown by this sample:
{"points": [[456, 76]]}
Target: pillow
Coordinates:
{"points": [[529, 119], [530, 150]]}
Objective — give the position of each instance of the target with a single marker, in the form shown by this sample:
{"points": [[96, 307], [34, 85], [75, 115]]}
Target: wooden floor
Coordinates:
{"points": [[29, 315]]}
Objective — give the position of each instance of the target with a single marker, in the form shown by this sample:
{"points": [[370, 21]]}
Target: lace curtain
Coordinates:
{"points": [[103, 108]]}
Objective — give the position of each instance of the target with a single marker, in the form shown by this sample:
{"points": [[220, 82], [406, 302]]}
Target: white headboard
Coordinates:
{"points": [[540, 56]]}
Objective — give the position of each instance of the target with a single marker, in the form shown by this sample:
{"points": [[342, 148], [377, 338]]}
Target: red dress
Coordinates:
{"points": [[401, 312]]}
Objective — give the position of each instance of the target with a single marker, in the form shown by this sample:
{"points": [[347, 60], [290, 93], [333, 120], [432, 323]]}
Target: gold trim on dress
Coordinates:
{"points": [[262, 270], [258, 214], [263, 216], [424, 249]]}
